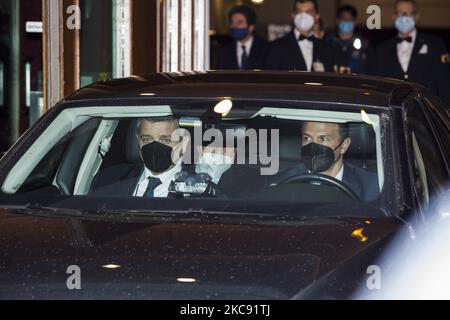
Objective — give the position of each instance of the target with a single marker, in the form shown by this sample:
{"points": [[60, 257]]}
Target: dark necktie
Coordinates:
{"points": [[153, 183], [244, 58], [407, 39], [302, 37]]}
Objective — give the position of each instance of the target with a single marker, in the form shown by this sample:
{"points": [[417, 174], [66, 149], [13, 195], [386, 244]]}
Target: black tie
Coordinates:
{"points": [[302, 37], [244, 58], [153, 183], [407, 39]]}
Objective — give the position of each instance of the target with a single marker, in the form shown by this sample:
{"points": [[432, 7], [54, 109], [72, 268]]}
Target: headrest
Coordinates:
{"points": [[363, 141], [290, 148]]}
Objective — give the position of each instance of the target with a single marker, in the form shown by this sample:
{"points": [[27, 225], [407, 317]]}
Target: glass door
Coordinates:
{"points": [[20, 68]]}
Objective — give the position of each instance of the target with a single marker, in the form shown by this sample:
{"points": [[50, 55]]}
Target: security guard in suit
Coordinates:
{"points": [[414, 55], [354, 50], [247, 51], [300, 50]]}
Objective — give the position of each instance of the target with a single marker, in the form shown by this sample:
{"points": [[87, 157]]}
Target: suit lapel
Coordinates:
{"points": [[255, 51], [295, 54], [319, 56], [282, 176], [130, 183], [415, 54], [233, 55], [350, 179], [316, 52], [395, 63]]}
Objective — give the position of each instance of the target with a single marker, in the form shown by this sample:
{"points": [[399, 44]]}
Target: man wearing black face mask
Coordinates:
{"points": [[161, 152], [323, 148]]}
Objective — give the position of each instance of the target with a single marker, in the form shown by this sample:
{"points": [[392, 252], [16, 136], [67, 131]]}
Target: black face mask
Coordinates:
{"points": [[157, 156], [318, 158]]}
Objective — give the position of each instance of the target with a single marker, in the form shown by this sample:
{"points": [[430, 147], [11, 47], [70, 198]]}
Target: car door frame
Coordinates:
{"points": [[421, 217]]}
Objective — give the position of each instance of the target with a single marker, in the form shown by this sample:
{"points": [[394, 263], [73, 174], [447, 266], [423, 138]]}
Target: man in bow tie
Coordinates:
{"points": [[300, 50], [413, 55]]}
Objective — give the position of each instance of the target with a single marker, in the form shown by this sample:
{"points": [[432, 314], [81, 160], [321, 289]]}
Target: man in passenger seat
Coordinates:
{"points": [[161, 161]]}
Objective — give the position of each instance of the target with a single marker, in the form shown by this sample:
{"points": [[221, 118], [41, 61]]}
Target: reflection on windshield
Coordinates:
{"points": [[295, 157]]}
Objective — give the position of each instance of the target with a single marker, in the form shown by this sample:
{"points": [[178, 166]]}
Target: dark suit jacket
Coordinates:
{"points": [[427, 69], [117, 181], [240, 181], [364, 183], [256, 60], [285, 54], [122, 180], [357, 60]]}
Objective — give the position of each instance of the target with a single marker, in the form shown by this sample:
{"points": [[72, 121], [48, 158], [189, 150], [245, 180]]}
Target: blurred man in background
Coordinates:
{"points": [[353, 49], [414, 55], [247, 51], [300, 50], [318, 29]]}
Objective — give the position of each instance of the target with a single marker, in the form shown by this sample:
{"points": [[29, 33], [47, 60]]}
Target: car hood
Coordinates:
{"points": [[186, 259]]}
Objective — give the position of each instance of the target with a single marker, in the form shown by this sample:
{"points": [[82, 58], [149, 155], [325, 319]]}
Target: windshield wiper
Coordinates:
{"points": [[193, 215], [188, 215], [33, 208]]}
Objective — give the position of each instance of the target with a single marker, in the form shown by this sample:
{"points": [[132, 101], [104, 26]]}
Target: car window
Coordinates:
{"points": [[429, 160], [57, 171], [269, 156], [44, 174]]}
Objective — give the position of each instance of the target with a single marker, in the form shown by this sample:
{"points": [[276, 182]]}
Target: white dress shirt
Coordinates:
{"points": [[405, 50], [248, 47], [307, 49], [340, 174], [162, 191]]}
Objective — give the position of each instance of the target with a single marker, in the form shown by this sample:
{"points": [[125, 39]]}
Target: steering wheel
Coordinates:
{"points": [[321, 178]]}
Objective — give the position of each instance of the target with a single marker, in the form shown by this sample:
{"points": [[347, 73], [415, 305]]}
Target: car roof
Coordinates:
{"points": [[267, 85]]}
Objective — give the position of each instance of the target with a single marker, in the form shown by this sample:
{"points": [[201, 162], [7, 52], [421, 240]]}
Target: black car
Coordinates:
{"points": [[219, 185]]}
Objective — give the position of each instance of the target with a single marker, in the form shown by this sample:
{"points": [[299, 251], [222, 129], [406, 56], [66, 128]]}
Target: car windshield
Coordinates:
{"points": [[211, 156]]}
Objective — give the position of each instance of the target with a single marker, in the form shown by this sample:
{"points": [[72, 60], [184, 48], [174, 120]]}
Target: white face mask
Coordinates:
{"points": [[304, 22], [214, 164]]}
